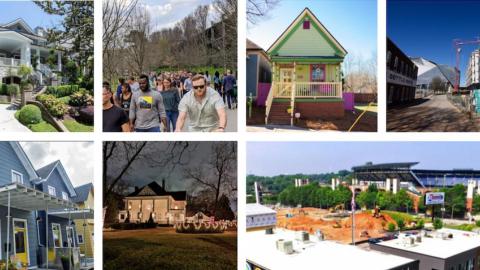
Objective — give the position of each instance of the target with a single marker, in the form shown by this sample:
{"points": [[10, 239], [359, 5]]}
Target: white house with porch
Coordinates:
{"points": [[21, 45]]}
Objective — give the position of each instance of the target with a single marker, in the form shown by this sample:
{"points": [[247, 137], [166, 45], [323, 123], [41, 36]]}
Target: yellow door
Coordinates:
{"points": [[286, 77], [21, 240]]}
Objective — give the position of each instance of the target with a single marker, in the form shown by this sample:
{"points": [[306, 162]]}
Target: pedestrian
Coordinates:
{"points": [[159, 87], [217, 83], [171, 99], [119, 91], [114, 118], [187, 84], [207, 78], [203, 106], [134, 86], [146, 109], [125, 98], [228, 84]]}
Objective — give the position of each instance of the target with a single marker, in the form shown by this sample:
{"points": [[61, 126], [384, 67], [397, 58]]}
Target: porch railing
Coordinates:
{"points": [[11, 62], [268, 102], [295, 90]]}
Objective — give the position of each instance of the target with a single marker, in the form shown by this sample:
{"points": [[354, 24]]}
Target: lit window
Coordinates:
{"points": [[52, 191], [64, 196], [17, 177]]}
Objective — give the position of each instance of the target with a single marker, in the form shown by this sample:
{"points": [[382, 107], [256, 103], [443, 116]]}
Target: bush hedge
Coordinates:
{"points": [[13, 89], [81, 98], [62, 90], [30, 114], [3, 89], [54, 106]]}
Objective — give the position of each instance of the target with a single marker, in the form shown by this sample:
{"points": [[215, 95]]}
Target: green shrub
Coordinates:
{"points": [[391, 227], [54, 106], [81, 98], [65, 100], [30, 114], [477, 223], [13, 89], [420, 224], [62, 90], [3, 89], [401, 224], [437, 224], [466, 227]]}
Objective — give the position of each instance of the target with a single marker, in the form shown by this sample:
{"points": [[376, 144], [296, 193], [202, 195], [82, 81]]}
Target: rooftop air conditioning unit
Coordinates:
{"points": [[269, 231], [284, 246], [302, 236], [418, 239]]}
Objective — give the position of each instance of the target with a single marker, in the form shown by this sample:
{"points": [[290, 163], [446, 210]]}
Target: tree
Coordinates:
{"points": [[138, 33], [368, 198], [402, 200], [256, 9], [75, 34], [438, 85], [455, 199], [219, 172], [437, 224], [224, 212]]}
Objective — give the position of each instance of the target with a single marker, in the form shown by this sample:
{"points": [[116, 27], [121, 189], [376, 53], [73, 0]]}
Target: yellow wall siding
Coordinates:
{"points": [[87, 237], [306, 42], [303, 73]]}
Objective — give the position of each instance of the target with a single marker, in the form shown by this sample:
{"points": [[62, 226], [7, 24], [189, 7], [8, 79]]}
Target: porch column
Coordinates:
{"points": [[85, 239], [38, 56], [25, 54], [59, 61], [8, 230], [294, 87], [46, 234], [38, 66]]}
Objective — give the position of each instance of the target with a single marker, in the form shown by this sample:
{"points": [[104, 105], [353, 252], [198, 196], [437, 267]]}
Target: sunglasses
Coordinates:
{"points": [[199, 87]]}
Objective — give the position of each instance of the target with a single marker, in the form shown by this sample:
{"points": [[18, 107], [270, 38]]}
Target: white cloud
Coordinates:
{"points": [[76, 157]]}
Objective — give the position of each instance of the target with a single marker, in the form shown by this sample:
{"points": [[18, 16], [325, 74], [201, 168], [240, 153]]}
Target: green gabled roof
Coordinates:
{"points": [[317, 25]]}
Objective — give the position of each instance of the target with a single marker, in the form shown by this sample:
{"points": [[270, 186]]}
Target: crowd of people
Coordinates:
{"points": [[167, 101]]}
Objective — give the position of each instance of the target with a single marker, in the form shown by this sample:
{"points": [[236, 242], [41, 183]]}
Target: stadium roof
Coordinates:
{"points": [[396, 165]]}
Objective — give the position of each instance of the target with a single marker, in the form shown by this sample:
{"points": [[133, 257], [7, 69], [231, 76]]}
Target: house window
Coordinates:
{"points": [[38, 231], [17, 177], [389, 58], [306, 24], [80, 238], [64, 196], [52, 191], [57, 235]]}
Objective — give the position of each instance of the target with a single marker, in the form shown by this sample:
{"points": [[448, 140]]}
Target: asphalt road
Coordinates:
{"points": [[434, 114]]}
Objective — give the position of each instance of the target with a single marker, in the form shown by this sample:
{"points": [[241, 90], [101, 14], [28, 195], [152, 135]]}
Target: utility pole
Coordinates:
{"points": [[457, 43]]}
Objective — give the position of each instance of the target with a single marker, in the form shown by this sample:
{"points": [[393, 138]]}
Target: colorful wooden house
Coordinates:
{"points": [[259, 74], [306, 66]]}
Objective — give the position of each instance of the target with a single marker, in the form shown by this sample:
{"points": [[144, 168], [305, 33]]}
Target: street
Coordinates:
{"points": [[434, 114]]}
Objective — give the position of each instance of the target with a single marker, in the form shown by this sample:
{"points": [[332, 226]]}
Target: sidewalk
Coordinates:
{"points": [[8, 123]]}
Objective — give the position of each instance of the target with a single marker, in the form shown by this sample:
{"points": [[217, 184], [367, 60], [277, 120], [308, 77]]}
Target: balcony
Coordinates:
{"points": [[11, 62]]}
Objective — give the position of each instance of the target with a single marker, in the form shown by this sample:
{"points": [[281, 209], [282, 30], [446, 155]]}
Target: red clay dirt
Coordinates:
{"points": [[338, 229]]}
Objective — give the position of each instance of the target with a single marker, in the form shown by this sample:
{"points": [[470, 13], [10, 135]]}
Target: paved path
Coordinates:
{"points": [[8, 123], [435, 114]]}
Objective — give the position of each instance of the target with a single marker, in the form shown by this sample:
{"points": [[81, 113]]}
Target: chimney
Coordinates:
{"points": [[136, 188], [163, 183]]}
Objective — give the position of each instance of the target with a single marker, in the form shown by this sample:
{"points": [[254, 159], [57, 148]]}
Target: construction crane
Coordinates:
{"points": [[457, 43]]}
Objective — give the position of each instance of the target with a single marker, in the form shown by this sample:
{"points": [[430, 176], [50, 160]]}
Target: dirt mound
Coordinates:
{"points": [[310, 220]]}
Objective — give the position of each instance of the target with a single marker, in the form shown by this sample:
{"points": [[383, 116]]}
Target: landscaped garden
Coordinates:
{"points": [[67, 105], [163, 248]]}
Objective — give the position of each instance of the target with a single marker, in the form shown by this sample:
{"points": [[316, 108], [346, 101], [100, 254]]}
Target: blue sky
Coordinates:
{"points": [[27, 10], [428, 28], [273, 158], [166, 13], [352, 22]]}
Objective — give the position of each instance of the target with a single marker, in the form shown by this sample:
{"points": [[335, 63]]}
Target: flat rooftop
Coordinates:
{"points": [[254, 209], [437, 247], [312, 255]]}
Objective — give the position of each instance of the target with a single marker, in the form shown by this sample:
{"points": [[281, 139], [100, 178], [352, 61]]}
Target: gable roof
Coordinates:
{"points": [[22, 22], [17, 148], [309, 13], [47, 170], [82, 193], [160, 191]]}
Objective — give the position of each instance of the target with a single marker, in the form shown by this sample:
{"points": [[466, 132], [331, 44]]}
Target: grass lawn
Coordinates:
{"points": [[463, 227], [40, 127], [75, 126], [162, 248]]}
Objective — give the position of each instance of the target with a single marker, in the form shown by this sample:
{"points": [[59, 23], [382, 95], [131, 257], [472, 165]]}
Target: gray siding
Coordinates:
{"points": [[31, 227], [252, 72], [56, 181], [8, 162]]}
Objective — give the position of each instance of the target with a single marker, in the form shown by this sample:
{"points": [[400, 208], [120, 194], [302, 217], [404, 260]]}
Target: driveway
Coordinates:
{"points": [[8, 123], [435, 114]]}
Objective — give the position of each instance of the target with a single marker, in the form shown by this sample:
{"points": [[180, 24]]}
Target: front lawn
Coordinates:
{"points": [[74, 126], [162, 248], [43, 126]]}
